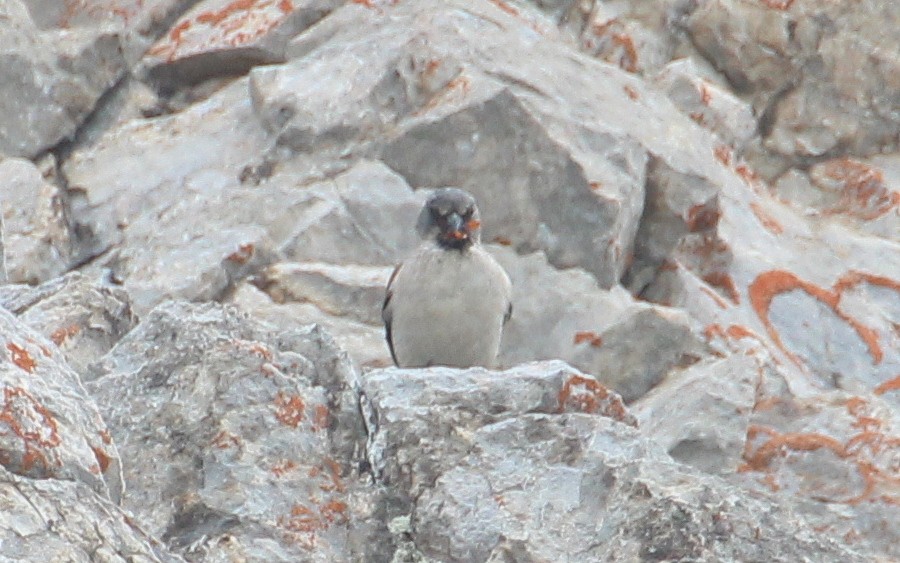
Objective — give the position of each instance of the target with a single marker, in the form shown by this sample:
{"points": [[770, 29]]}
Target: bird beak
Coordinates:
{"points": [[455, 227]]}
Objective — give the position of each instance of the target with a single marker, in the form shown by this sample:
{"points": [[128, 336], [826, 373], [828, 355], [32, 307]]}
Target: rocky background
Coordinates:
{"points": [[697, 202]]}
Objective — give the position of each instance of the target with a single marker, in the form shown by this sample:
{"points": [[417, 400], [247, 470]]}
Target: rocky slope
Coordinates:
{"points": [[698, 203]]}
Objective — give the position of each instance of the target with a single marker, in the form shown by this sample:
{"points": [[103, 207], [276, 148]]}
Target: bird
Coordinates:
{"points": [[447, 304]]}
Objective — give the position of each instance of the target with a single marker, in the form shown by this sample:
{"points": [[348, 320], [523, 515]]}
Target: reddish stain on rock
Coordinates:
{"points": [[779, 444], [587, 336], [888, 386], [586, 394], [723, 154], [629, 60], [21, 358], [705, 94], [505, 7], [283, 467], [724, 282], [864, 192], [715, 297], [242, 255], [769, 285], [62, 334], [320, 418], [31, 422], [771, 225], [103, 459], [289, 409], [778, 4], [334, 511], [631, 92], [702, 217], [224, 440]]}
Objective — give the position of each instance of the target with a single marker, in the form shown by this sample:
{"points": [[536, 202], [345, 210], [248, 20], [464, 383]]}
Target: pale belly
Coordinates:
{"points": [[458, 320]]}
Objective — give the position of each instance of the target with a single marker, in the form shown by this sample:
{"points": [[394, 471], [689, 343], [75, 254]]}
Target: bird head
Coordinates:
{"points": [[451, 218]]}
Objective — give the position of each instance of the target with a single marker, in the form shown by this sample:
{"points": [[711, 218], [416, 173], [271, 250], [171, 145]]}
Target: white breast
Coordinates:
{"points": [[448, 307]]}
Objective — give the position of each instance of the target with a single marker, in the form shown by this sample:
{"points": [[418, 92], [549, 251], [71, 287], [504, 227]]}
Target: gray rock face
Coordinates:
{"points": [[50, 79], [824, 74], [36, 229], [503, 482], [238, 437], [53, 520], [49, 427], [83, 318]]}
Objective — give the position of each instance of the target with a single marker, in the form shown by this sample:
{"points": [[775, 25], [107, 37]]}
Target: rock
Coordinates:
{"points": [[36, 226], [429, 96], [841, 450], [240, 438], [707, 103], [822, 76], [136, 23], [502, 476], [700, 416], [51, 428], [408, 420], [218, 38], [53, 520], [365, 343], [50, 80], [356, 291], [254, 213], [82, 317], [4, 279], [629, 346]]}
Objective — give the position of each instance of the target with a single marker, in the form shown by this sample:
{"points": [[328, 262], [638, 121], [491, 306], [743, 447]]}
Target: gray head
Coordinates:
{"points": [[450, 216]]}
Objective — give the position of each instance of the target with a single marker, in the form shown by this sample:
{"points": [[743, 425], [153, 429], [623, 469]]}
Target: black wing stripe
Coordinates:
{"points": [[387, 317]]}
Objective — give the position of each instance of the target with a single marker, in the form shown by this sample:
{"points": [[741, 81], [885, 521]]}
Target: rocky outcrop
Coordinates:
{"points": [[697, 203]]}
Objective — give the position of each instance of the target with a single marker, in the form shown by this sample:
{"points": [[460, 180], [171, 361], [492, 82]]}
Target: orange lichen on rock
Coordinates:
{"points": [[631, 92], [217, 16], [334, 511], [243, 254], [780, 444], [505, 7], [702, 216], [778, 4], [888, 386], [714, 296], [334, 472], [21, 358], [320, 418], [723, 154], [769, 222], [705, 94], [586, 394], [629, 61], [103, 459], [770, 284], [864, 192], [587, 336], [62, 334], [724, 282], [283, 466], [224, 440], [869, 451], [31, 422], [289, 409]]}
